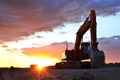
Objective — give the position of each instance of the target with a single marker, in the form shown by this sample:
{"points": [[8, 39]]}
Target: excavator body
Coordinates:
{"points": [[76, 58], [70, 63]]}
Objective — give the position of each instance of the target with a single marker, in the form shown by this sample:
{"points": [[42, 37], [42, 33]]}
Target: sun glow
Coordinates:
{"points": [[43, 62]]}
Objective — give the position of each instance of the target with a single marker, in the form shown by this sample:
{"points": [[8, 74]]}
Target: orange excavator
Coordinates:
{"points": [[76, 58]]}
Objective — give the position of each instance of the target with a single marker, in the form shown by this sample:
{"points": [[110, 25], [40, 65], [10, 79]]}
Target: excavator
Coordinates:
{"points": [[84, 54]]}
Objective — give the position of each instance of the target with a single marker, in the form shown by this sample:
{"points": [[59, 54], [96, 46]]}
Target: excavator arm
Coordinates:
{"points": [[93, 30]]}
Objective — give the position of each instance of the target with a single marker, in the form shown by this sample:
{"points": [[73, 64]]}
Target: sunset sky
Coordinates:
{"points": [[35, 31]]}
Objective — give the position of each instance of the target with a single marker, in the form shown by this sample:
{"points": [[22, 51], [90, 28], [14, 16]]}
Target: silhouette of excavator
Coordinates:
{"points": [[76, 57]]}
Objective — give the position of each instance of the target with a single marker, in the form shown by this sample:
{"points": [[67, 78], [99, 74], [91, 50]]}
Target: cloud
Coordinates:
{"points": [[20, 18], [110, 46], [1, 42], [4, 46], [53, 50]]}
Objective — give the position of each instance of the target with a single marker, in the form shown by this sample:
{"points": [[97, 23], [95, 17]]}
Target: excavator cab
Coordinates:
{"points": [[83, 52]]}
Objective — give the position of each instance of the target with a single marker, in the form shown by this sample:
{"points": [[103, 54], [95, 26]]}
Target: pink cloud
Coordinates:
{"points": [[53, 50], [24, 17], [110, 46]]}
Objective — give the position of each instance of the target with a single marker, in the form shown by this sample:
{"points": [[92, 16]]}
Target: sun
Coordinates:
{"points": [[43, 63], [40, 67]]}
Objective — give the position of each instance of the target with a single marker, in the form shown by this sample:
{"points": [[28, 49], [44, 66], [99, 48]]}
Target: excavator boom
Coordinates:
{"points": [[79, 36], [90, 23]]}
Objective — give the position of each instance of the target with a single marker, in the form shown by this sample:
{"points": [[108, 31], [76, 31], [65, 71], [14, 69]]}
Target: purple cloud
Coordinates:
{"points": [[24, 17], [111, 47]]}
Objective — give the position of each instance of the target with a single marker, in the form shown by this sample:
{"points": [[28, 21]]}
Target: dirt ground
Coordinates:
{"points": [[60, 74]]}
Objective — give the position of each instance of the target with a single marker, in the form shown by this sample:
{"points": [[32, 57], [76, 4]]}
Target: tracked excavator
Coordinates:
{"points": [[83, 51]]}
